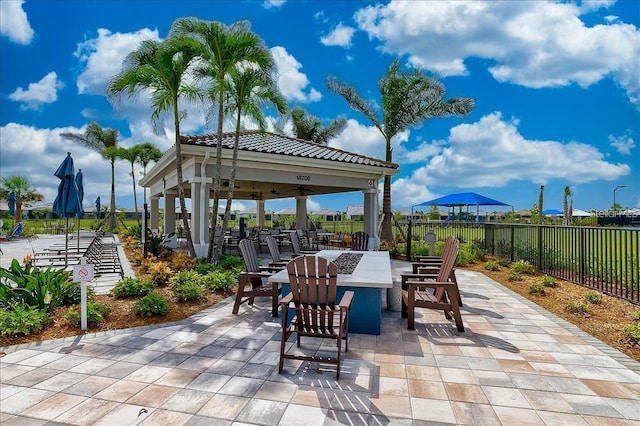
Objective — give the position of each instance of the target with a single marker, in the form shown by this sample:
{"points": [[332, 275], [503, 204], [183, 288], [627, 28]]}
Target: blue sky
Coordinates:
{"points": [[556, 86]]}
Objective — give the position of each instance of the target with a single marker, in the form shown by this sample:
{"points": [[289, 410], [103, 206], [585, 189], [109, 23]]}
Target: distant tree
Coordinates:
{"points": [[308, 127], [160, 68], [407, 100], [566, 213], [105, 142], [131, 155], [434, 212], [147, 152], [25, 194], [541, 205]]}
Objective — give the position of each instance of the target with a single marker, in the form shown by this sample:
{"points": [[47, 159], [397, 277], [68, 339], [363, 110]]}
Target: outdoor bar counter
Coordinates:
{"points": [[371, 275]]}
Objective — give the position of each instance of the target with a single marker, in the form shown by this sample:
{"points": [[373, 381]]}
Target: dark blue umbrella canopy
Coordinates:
{"points": [[464, 199], [11, 201], [67, 202], [98, 207], [80, 186]]}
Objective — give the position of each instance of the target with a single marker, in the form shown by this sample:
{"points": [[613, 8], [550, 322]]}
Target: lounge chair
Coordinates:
{"points": [[359, 241], [313, 282]]}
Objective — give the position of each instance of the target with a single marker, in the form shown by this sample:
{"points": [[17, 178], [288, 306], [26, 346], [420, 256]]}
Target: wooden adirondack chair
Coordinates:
{"points": [[432, 264], [253, 283], [313, 283], [295, 246], [276, 258], [445, 295], [359, 241]]}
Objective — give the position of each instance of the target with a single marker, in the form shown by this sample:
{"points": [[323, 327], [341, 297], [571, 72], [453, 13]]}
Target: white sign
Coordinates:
{"points": [[83, 272]]}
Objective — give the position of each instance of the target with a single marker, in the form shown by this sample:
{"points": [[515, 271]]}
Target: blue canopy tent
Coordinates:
{"points": [[453, 200], [554, 212]]}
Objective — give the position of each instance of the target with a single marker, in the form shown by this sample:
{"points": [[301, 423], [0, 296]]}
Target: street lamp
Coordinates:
{"points": [[614, 194]]}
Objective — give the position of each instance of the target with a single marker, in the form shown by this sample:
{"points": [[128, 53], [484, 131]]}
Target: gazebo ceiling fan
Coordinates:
{"points": [[304, 190], [274, 192], [226, 185]]}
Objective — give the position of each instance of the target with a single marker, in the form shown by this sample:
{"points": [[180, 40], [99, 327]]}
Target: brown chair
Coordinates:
{"points": [[253, 282], [276, 258], [432, 264], [295, 246], [359, 241], [444, 295], [313, 282]]}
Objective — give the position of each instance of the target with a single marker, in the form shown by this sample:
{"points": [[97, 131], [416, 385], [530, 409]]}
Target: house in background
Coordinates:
{"points": [[327, 215], [355, 212]]}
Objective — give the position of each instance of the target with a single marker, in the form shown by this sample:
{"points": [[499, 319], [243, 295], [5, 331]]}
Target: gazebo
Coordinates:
{"points": [[269, 166]]}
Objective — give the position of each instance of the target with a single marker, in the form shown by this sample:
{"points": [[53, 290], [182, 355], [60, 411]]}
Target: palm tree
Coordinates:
{"points": [[222, 48], [408, 99], [131, 155], [309, 127], [248, 89], [105, 142], [25, 194], [566, 213], [147, 152], [160, 68]]}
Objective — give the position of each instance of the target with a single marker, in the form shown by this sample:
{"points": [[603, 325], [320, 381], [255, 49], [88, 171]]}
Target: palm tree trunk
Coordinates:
{"points": [[232, 182], [183, 206], [135, 197], [113, 220], [214, 254], [386, 233]]}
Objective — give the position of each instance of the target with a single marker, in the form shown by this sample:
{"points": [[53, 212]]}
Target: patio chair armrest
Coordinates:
{"points": [[426, 267], [261, 274], [271, 269], [286, 300], [279, 264], [429, 284], [346, 301]]}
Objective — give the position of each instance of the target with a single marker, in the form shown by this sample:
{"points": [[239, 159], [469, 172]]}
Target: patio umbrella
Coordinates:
{"points": [[98, 207], [67, 204], [11, 200], [81, 199]]}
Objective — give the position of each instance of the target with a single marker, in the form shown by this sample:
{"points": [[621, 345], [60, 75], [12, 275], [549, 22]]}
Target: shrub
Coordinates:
{"points": [[155, 245], [514, 276], [31, 286], [151, 305], [593, 297], [71, 293], [523, 267], [96, 313], [227, 261], [132, 287], [185, 277], [188, 291], [182, 261], [160, 273], [577, 307], [536, 288], [22, 319], [632, 331], [203, 267], [218, 281], [502, 261], [491, 265], [548, 281]]}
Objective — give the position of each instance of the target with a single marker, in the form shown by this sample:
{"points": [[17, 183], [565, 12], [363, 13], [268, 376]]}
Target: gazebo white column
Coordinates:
{"points": [[301, 212], [371, 217], [169, 212], [154, 214], [196, 183], [260, 216]]}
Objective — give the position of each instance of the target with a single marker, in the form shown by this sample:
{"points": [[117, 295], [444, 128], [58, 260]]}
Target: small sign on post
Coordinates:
{"points": [[83, 273], [430, 239]]}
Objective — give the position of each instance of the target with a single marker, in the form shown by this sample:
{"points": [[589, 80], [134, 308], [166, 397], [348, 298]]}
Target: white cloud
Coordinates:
{"points": [[622, 144], [268, 4], [491, 152], [340, 36], [407, 193], [293, 83], [365, 140], [533, 44], [14, 22], [42, 92], [313, 206], [102, 57]]}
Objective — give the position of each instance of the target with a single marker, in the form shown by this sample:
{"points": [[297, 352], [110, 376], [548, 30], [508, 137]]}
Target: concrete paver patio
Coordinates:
{"points": [[515, 364]]}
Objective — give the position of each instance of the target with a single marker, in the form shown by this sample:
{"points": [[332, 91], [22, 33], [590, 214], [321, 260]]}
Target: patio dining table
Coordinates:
{"points": [[370, 278]]}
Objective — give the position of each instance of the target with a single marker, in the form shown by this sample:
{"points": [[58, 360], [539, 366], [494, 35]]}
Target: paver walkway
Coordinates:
{"points": [[516, 364]]}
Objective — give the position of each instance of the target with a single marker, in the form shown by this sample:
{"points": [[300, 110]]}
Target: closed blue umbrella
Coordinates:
{"points": [[11, 200], [80, 186], [98, 207], [67, 203]]}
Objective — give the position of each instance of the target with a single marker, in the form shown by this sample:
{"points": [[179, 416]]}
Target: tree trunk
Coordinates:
{"points": [[135, 197], [386, 234], [183, 206], [215, 253], [113, 219]]}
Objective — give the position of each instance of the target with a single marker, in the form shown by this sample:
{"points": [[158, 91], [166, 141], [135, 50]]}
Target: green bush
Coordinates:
{"points": [[227, 261], [32, 286], [548, 281], [514, 276], [71, 293], [218, 281], [577, 307], [151, 305], [96, 313], [22, 319], [185, 276], [491, 265], [593, 297], [203, 267], [523, 267], [536, 288], [188, 291], [132, 287], [632, 331]]}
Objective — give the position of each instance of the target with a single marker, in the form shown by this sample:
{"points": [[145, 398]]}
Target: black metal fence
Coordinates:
{"points": [[602, 258]]}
